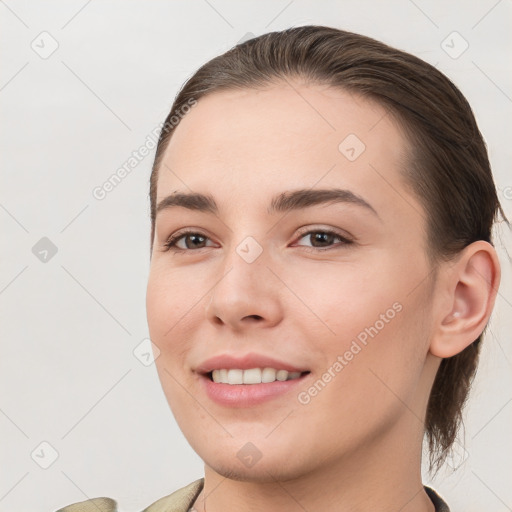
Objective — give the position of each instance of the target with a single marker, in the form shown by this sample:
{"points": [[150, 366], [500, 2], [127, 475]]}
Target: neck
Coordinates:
{"points": [[384, 475]]}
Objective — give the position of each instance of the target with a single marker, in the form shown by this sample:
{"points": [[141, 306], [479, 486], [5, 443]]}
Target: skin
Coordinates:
{"points": [[357, 444]]}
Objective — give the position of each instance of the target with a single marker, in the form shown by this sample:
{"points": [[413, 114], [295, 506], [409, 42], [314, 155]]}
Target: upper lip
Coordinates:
{"points": [[245, 362]]}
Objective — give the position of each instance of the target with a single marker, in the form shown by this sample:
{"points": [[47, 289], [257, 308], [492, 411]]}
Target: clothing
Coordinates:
{"points": [[183, 499]]}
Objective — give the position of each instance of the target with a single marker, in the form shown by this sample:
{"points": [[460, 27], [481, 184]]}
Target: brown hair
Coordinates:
{"points": [[448, 167]]}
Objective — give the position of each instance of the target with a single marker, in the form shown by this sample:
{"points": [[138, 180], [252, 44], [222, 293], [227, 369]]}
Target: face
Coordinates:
{"points": [[332, 291]]}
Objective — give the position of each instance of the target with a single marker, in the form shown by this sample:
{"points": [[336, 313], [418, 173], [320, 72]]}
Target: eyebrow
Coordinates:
{"points": [[284, 202]]}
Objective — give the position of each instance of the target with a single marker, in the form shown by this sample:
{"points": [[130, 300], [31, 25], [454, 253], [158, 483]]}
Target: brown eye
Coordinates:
{"points": [[185, 241], [324, 239], [193, 241]]}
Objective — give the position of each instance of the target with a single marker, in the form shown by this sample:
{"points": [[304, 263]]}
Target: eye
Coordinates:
{"points": [[323, 239], [189, 240]]}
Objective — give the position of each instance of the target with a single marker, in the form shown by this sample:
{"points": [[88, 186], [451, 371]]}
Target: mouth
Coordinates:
{"points": [[252, 376], [249, 380], [238, 388]]}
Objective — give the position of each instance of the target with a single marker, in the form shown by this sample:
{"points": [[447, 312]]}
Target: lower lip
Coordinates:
{"points": [[247, 395]]}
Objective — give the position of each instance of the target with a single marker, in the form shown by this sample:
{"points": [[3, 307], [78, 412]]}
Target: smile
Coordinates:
{"points": [[252, 376]]}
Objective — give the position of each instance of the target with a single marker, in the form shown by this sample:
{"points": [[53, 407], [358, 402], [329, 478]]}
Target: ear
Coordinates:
{"points": [[470, 285]]}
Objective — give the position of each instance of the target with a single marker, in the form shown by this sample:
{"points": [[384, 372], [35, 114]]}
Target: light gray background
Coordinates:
{"points": [[69, 325]]}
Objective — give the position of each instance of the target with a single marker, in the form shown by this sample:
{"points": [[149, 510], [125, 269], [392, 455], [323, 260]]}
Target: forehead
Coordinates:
{"points": [[253, 143]]}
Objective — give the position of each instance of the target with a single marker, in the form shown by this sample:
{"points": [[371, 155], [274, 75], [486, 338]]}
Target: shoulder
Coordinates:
{"points": [[179, 501], [92, 505], [439, 504]]}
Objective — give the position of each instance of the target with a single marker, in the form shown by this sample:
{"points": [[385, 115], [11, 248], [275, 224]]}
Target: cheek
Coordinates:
{"points": [[172, 298], [378, 340], [164, 309], [345, 298], [368, 382]]}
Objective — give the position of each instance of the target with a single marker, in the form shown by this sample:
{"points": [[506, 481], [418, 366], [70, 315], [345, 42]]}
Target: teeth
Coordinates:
{"points": [[268, 375], [252, 376], [281, 375], [235, 376]]}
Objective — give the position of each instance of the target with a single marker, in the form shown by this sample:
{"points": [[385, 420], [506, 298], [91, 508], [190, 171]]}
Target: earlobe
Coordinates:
{"points": [[471, 285]]}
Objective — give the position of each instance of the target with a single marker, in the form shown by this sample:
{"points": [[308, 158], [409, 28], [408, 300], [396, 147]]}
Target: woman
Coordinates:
{"points": [[321, 273]]}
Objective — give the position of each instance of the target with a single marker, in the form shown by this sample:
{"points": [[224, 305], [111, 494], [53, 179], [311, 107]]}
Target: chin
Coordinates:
{"points": [[269, 472], [248, 464]]}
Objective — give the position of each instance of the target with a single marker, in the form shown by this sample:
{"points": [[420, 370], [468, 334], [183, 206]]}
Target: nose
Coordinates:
{"points": [[247, 295]]}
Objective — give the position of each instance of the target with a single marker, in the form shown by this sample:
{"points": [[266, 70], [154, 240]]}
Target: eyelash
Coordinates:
{"points": [[170, 244]]}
